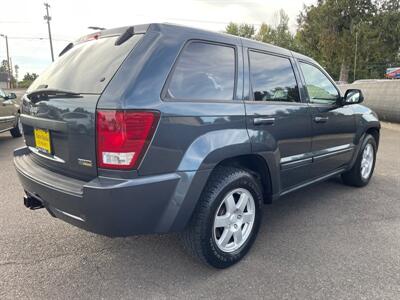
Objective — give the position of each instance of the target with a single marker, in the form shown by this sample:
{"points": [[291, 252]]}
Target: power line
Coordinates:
{"points": [[163, 17], [17, 22], [37, 38]]}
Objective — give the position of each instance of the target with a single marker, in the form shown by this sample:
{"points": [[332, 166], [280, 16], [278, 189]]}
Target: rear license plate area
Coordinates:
{"points": [[42, 140]]}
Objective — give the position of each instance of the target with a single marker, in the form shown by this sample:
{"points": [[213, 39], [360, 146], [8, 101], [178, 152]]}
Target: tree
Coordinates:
{"points": [[232, 28], [242, 30], [349, 38], [30, 77], [265, 34], [4, 69], [283, 37], [330, 30], [27, 80], [246, 31], [387, 42], [279, 35], [4, 66]]}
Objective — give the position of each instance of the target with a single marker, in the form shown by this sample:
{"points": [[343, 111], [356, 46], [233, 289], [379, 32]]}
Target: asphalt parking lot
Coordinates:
{"points": [[328, 241]]}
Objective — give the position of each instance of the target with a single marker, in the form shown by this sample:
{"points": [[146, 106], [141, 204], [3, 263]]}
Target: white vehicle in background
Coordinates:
{"points": [[9, 114]]}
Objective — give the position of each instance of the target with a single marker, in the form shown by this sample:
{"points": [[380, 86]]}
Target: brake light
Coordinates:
{"points": [[123, 137], [89, 37]]}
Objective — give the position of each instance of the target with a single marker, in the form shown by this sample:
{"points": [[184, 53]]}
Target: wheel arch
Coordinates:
{"points": [[375, 132], [230, 147], [194, 187], [257, 166]]}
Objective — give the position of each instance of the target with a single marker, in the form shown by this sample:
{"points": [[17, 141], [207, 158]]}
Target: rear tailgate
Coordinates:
{"points": [[58, 111], [68, 124]]}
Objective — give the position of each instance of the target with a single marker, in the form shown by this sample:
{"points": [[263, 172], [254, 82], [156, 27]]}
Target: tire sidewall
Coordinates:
{"points": [[16, 132], [217, 257], [368, 140], [19, 125]]}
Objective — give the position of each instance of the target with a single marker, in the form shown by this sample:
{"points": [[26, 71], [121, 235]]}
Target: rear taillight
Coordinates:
{"points": [[123, 137]]}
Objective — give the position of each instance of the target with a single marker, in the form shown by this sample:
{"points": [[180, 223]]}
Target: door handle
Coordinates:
{"points": [[320, 119], [263, 121]]}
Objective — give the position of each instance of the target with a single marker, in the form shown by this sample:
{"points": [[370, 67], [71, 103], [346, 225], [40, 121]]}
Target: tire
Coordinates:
{"points": [[17, 130], [206, 242], [355, 176]]}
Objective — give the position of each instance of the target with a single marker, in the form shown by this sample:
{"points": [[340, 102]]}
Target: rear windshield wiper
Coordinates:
{"points": [[44, 94]]}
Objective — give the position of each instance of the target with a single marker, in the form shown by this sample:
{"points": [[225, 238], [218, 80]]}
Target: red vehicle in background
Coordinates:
{"points": [[393, 73]]}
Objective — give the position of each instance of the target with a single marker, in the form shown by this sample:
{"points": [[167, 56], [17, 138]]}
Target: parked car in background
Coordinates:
{"points": [[393, 73], [9, 114], [161, 128]]}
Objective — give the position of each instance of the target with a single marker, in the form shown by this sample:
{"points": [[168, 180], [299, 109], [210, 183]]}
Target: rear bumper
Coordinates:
{"points": [[113, 207]]}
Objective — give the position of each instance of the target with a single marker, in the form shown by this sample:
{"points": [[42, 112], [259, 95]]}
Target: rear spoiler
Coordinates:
{"points": [[124, 34]]}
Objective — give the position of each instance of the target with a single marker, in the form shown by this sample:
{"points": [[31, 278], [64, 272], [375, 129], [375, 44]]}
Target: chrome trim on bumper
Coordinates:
{"points": [[53, 157]]}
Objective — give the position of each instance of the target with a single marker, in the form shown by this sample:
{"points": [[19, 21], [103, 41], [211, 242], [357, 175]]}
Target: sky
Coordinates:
{"points": [[23, 22]]}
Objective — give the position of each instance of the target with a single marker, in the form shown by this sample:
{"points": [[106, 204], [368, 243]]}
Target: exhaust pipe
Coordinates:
{"points": [[32, 203]]}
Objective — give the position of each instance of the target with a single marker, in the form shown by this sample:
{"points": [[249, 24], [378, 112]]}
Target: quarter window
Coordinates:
{"points": [[320, 89], [273, 78], [204, 72]]}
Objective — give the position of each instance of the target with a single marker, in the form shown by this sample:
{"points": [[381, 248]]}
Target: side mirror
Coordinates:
{"points": [[353, 96], [12, 96]]}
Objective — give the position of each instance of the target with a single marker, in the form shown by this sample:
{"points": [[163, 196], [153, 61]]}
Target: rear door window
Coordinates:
{"points": [[204, 71], [87, 67], [273, 78]]}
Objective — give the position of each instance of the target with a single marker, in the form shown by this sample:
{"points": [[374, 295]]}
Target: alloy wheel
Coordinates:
{"points": [[234, 220]]}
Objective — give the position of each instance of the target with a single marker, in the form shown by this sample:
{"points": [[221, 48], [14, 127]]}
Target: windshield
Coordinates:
{"points": [[87, 67]]}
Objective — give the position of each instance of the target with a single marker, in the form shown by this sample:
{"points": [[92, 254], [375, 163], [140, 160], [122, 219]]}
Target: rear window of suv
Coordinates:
{"points": [[204, 71], [87, 67]]}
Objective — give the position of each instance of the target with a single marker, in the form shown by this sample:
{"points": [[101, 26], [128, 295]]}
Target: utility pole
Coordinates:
{"points": [[8, 60], [355, 59], [16, 67], [12, 74], [48, 19]]}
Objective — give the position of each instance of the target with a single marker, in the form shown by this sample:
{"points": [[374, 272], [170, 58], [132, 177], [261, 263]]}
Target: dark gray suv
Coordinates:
{"points": [[160, 128]]}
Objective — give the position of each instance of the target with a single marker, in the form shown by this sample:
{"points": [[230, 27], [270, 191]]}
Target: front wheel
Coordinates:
{"points": [[360, 174], [227, 218]]}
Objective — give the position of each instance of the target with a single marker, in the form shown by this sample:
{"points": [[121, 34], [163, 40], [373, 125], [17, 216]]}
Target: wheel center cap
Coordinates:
{"points": [[236, 222], [233, 218]]}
